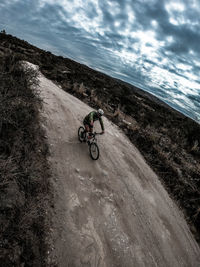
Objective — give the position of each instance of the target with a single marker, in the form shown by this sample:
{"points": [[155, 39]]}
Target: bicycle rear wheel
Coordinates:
{"points": [[81, 134], [94, 151]]}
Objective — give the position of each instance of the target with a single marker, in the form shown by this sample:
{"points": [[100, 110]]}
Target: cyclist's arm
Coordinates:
{"points": [[91, 118], [102, 124]]}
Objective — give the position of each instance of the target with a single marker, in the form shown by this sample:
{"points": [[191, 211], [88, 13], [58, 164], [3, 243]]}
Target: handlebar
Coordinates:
{"points": [[97, 133]]}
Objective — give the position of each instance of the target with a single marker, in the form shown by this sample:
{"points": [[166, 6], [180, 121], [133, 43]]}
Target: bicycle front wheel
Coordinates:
{"points": [[94, 151]]}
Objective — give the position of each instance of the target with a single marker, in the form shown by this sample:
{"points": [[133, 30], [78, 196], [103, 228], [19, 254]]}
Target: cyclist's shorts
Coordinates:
{"points": [[86, 123]]}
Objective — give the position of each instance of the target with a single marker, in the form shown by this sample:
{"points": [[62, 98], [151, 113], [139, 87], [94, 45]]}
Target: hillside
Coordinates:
{"points": [[168, 140], [25, 194]]}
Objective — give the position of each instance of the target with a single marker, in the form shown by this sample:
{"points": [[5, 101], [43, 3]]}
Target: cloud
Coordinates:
{"points": [[5, 3], [153, 44]]}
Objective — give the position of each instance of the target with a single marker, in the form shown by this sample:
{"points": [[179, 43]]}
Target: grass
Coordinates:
{"points": [[24, 172]]}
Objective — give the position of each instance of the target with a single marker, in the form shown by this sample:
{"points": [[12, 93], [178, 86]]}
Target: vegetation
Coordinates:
{"points": [[24, 183]]}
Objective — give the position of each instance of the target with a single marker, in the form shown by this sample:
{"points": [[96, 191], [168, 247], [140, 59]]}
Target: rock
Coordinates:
{"points": [[84, 94], [126, 122], [104, 173], [81, 178]]}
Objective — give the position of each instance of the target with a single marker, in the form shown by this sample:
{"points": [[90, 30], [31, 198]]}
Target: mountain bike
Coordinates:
{"points": [[92, 142]]}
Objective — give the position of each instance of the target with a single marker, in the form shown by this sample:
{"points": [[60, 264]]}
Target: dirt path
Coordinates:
{"points": [[114, 211]]}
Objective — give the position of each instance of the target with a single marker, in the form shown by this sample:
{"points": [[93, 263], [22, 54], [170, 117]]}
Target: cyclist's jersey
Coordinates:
{"points": [[93, 116]]}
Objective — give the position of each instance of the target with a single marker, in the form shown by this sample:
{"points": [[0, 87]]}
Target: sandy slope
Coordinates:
{"points": [[110, 212]]}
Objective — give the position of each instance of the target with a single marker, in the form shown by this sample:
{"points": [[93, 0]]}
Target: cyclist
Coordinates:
{"points": [[90, 119]]}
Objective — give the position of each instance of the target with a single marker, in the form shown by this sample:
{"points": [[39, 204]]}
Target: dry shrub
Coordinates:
{"points": [[81, 89], [24, 184]]}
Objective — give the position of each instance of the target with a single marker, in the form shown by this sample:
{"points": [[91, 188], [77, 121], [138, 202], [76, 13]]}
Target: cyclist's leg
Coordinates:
{"points": [[87, 128], [90, 132]]}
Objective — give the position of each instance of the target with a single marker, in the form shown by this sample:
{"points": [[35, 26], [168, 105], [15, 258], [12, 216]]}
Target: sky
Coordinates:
{"points": [[152, 44]]}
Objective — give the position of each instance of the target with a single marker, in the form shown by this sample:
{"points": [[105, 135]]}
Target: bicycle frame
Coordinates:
{"points": [[93, 139]]}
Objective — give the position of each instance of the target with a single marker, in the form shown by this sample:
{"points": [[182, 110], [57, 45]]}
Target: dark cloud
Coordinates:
{"points": [[184, 36], [116, 37]]}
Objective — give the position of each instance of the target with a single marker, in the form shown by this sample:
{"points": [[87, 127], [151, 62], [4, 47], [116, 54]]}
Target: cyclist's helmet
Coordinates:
{"points": [[100, 112]]}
